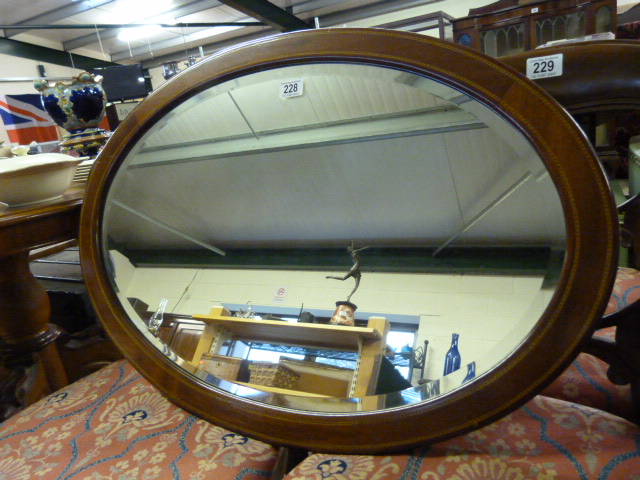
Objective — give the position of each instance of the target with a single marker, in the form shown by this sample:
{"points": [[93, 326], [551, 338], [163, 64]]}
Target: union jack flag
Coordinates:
{"points": [[26, 120]]}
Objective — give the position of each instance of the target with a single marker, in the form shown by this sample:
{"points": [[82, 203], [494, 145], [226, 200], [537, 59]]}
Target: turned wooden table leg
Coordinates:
{"points": [[26, 338]]}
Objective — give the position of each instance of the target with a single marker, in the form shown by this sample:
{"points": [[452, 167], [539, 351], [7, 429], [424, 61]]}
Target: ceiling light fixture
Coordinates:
{"points": [[136, 33]]}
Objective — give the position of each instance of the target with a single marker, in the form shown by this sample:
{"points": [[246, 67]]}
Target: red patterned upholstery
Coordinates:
{"points": [[626, 289], [544, 440], [585, 382], [115, 425]]}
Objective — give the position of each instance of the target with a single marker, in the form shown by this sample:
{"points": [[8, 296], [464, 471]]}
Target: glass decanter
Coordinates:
{"points": [[156, 319]]}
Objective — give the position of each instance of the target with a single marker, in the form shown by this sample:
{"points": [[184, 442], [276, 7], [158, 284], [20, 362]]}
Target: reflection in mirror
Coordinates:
{"points": [[238, 204]]}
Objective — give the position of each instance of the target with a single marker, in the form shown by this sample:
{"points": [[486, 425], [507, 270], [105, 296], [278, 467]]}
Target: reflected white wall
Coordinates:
{"points": [[483, 309]]}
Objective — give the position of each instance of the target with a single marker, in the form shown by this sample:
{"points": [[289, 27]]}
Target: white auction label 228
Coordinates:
{"points": [[292, 88]]}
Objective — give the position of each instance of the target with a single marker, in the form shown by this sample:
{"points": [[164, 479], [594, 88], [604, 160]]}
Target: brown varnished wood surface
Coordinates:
{"points": [[26, 338], [35, 226], [597, 76], [301, 334], [563, 329]]}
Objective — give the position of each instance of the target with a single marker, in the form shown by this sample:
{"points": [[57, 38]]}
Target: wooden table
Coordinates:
{"points": [[30, 360]]}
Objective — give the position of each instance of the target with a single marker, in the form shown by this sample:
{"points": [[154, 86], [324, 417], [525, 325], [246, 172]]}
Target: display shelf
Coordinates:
{"points": [[294, 334], [368, 342]]}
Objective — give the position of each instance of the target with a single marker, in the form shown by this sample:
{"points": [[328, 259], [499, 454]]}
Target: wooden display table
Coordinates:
{"points": [[368, 341], [26, 337]]}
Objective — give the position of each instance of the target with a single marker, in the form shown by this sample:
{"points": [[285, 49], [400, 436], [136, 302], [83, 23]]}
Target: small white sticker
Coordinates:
{"points": [[124, 109], [292, 88], [535, 10], [544, 67]]}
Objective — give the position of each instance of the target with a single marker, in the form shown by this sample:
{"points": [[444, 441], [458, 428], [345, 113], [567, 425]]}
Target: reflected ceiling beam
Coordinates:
{"points": [[270, 14], [484, 212], [410, 259], [168, 227], [182, 11], [72, 8], [338, 132]]}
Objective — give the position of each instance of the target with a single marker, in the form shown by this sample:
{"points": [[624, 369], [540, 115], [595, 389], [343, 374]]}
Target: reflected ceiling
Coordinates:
{"points": [[245, 168]]}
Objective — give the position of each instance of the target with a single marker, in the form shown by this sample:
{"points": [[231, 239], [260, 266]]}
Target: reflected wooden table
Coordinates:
{"points": [[31, 365]]}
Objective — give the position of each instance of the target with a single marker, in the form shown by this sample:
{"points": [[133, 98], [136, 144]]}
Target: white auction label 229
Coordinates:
{"points": [[545, 67]]}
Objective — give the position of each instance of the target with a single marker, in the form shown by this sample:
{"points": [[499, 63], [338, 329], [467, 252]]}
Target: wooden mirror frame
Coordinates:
{"points": [[568, 321]]}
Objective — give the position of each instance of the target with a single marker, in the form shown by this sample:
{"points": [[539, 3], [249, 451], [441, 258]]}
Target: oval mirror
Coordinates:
{"points": [[311, 194]]}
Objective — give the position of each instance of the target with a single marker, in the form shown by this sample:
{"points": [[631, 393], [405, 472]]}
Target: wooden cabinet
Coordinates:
{"points": [[508, 27], [180, 333], [369, 342]]}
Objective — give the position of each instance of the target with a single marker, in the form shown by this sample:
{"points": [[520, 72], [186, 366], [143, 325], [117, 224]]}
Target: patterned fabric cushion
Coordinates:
{"points": [[626, 289], [585, 382], [115, 425], [547, 439]]}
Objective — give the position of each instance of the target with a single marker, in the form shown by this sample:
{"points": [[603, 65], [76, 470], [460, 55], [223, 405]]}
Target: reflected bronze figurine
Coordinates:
{"points": [[354, 272]]}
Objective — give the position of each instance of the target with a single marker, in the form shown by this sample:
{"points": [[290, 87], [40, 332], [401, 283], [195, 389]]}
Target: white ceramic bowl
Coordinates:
{"points": [[36, 178]]}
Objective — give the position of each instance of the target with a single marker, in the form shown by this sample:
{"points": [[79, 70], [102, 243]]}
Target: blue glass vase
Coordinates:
{"points": [[471, 372], [452, 359]]}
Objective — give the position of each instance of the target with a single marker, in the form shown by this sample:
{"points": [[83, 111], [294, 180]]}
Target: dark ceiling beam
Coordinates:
{"points": [[375, 9], [182, 11], [270, 14], [150, 50], [208, 49], [72, 8], [49, 55], [213, 45], [76, 26], [296, 23], [115, 28]]}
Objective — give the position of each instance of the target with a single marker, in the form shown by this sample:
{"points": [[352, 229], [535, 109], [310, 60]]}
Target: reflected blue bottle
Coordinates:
{"points": [[471, 372], [452, 359]]}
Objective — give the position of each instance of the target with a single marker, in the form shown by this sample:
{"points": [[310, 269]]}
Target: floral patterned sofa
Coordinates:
{"points": [[114, 424]]}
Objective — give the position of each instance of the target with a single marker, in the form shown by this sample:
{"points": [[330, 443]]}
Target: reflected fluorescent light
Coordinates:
{"points": [[137, 33]]}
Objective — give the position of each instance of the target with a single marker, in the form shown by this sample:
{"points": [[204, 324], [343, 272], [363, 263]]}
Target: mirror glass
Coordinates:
{"points": [[269, 209]]}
